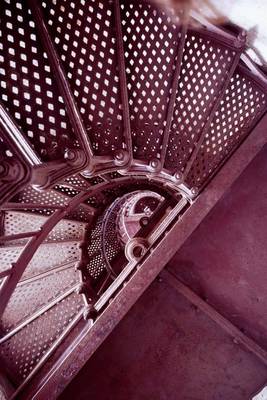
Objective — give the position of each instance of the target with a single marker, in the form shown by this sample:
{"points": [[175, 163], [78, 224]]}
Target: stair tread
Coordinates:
{"points": [[149, 71], [52, 197], [241, 106], [22, 351], [93, 79], [48, 256], [199, 86], [20, 222], [77, 182], [29, 297], [48, 130]]}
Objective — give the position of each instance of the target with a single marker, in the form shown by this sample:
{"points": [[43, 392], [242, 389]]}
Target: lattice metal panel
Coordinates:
{"points": [[48, 256], [54, 198], [23, 350], [240, 108], [19, 222], [111, 243], [84, 35], [96, 264], [83, 211], [31, 296], [204, 69], [78, 182], [28, 88], [8, 255], [151, 38], [68, 191], [46, 198]]}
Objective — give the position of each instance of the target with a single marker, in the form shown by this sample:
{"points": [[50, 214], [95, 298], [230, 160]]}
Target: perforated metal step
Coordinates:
{"points": [[243, 104], [32, 96], [22, 351], [33, 295], [51, 198], [19, 222], [48, 256]]}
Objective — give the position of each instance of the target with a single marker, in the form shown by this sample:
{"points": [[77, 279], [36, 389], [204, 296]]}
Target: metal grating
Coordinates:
{"points": [[151, 38], [28, 87], [96, 264], [31, 296], [204, 69], [48, 256], [86, 44], [111, 243], [68, 191], [54, 198], [95, 180], [8, 255], [242, 105], [22, 351], [78, 182], [32, 196], [19, 222]]}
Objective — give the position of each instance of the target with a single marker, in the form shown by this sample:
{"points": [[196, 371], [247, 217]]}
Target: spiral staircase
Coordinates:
{"points": [[114, 116]]}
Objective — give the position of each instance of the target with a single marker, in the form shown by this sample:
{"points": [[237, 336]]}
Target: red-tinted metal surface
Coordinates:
{"points": [[241, 107], [194, 102], [99, 85], [149, 69], [31, 95], [91, 67]]}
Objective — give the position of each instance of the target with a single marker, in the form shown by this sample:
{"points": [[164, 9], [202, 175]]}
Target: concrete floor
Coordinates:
{"points": [[165, 348]]}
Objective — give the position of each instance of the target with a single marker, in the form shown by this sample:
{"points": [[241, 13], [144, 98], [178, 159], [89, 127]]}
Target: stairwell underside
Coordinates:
{"points": [[152, 108]]}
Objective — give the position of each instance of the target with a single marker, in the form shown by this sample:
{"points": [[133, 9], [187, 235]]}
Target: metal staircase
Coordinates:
{"points": [[114, 116]]}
